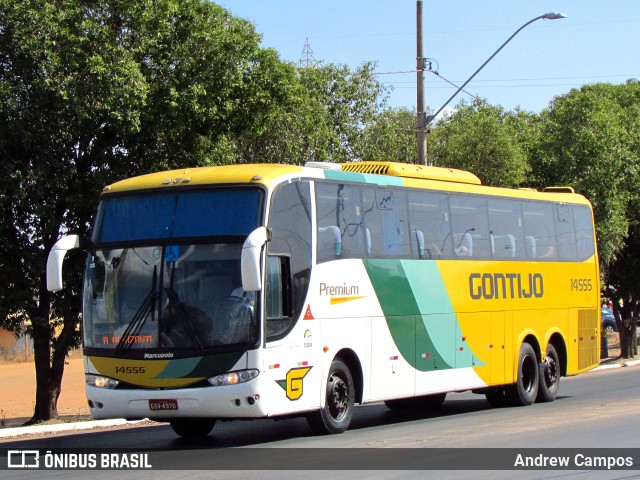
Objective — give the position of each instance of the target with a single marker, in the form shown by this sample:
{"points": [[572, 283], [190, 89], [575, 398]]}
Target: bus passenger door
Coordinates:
{"points": [[291, 360]]}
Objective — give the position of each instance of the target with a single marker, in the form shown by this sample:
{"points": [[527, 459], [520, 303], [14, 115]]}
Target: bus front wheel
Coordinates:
{"points": [[337, 412], [549, 376], [192, 427]]}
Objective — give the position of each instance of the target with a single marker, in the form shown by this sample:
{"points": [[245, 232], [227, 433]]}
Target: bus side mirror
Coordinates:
{"points": [[250, 259], [56, 258]]}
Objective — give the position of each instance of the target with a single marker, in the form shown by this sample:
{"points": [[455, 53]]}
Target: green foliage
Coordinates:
{"points": [[391, 137], [480, 138], [322, 118], [91, 92], [589, 139]]}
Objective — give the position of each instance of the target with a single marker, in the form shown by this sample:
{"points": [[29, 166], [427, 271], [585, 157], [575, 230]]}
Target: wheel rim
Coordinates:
{"points": [[550, 372], [338, 397], [528, 374]]}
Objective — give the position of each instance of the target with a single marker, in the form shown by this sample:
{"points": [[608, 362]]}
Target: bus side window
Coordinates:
{"points": [[539, 223], [430, 236], [503, 246], [583, 224], [329, 241], [464, 247], [505, 229], [277, 296], [530, 243], [470, 224], [565, 232]]}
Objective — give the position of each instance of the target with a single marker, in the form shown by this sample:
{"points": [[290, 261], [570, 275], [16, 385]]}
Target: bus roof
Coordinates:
{"points": [[375, 173], [227, 174]]}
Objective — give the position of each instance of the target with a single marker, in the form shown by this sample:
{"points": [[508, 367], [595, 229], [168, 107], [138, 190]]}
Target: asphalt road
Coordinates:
{"points": [[595, 410]]}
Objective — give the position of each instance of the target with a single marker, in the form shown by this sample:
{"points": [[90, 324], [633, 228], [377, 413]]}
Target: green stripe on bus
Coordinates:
{"points": [[383, 180], [200, 367], [402, 312]]}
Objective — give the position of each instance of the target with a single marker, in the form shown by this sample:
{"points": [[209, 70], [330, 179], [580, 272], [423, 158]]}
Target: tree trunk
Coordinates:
{"points": [[46, 393], [50, 367], [626, 343]]}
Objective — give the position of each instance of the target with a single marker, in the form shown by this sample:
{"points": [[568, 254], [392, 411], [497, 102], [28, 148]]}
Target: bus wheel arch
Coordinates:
{"points": [[350, 359], [340, 393]]}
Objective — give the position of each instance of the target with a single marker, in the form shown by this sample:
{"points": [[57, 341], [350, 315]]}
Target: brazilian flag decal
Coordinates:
{"points": [[419, 313]]}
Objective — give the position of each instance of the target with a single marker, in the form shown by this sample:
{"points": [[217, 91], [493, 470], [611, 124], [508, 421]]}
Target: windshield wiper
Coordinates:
{"points": [[141, 315], [187, 320]]}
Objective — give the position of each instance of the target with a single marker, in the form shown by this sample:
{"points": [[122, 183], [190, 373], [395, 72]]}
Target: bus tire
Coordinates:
{"points": [[525, 391], [550, 373], [192, 427], [335, 416]]}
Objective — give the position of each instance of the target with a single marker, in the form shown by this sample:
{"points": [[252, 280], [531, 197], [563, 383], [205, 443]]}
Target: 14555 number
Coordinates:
{"points": [[581, 285]]}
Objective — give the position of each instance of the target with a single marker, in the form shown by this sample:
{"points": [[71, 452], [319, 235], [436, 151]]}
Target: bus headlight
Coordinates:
{"points": [[232, 378], [100, 381]]}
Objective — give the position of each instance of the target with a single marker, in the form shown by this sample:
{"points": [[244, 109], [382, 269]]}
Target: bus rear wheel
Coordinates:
{"points": [[335, 416], [192, 427], [550, 373], [525, 390]]}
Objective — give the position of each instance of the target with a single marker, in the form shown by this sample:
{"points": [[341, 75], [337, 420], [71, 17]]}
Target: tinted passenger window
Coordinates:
{"points": [[429, 228], [506, 234], [539, 230], [470, 226], [341, 231]]}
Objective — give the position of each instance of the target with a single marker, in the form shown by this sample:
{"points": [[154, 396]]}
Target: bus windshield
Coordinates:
{"points": [[182, 214], [178, 288]]}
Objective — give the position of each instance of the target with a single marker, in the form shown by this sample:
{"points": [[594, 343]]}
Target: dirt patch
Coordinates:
{"points": [[18, 393]]}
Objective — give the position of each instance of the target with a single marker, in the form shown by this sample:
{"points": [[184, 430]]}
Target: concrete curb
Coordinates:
{"points": [[608, 366], [64, 427]]}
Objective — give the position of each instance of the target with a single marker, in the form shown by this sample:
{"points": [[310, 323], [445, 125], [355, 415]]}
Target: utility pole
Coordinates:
{"points": [[420, 65]]}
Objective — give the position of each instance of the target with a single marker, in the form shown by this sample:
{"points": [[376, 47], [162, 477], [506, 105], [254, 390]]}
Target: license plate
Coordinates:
{"points": [[163, 404]]}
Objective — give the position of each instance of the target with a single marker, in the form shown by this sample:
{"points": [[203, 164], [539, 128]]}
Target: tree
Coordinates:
{"points": [[323, 117], [589, 141], [480, 138], [391, 136], [623, 288], [94, 91]]}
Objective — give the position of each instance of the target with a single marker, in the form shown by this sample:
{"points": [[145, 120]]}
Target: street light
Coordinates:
{"points": [[546, 16]]}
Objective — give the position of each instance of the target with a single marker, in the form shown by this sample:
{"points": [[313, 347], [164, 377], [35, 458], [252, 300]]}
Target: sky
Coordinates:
{"points": [[597, 42]]}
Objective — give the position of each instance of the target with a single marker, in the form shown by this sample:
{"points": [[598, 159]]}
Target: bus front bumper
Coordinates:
{"points": [[229, 401]]}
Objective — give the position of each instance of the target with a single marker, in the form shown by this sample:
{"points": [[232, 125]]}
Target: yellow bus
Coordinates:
{"points": [[260, 291]]}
